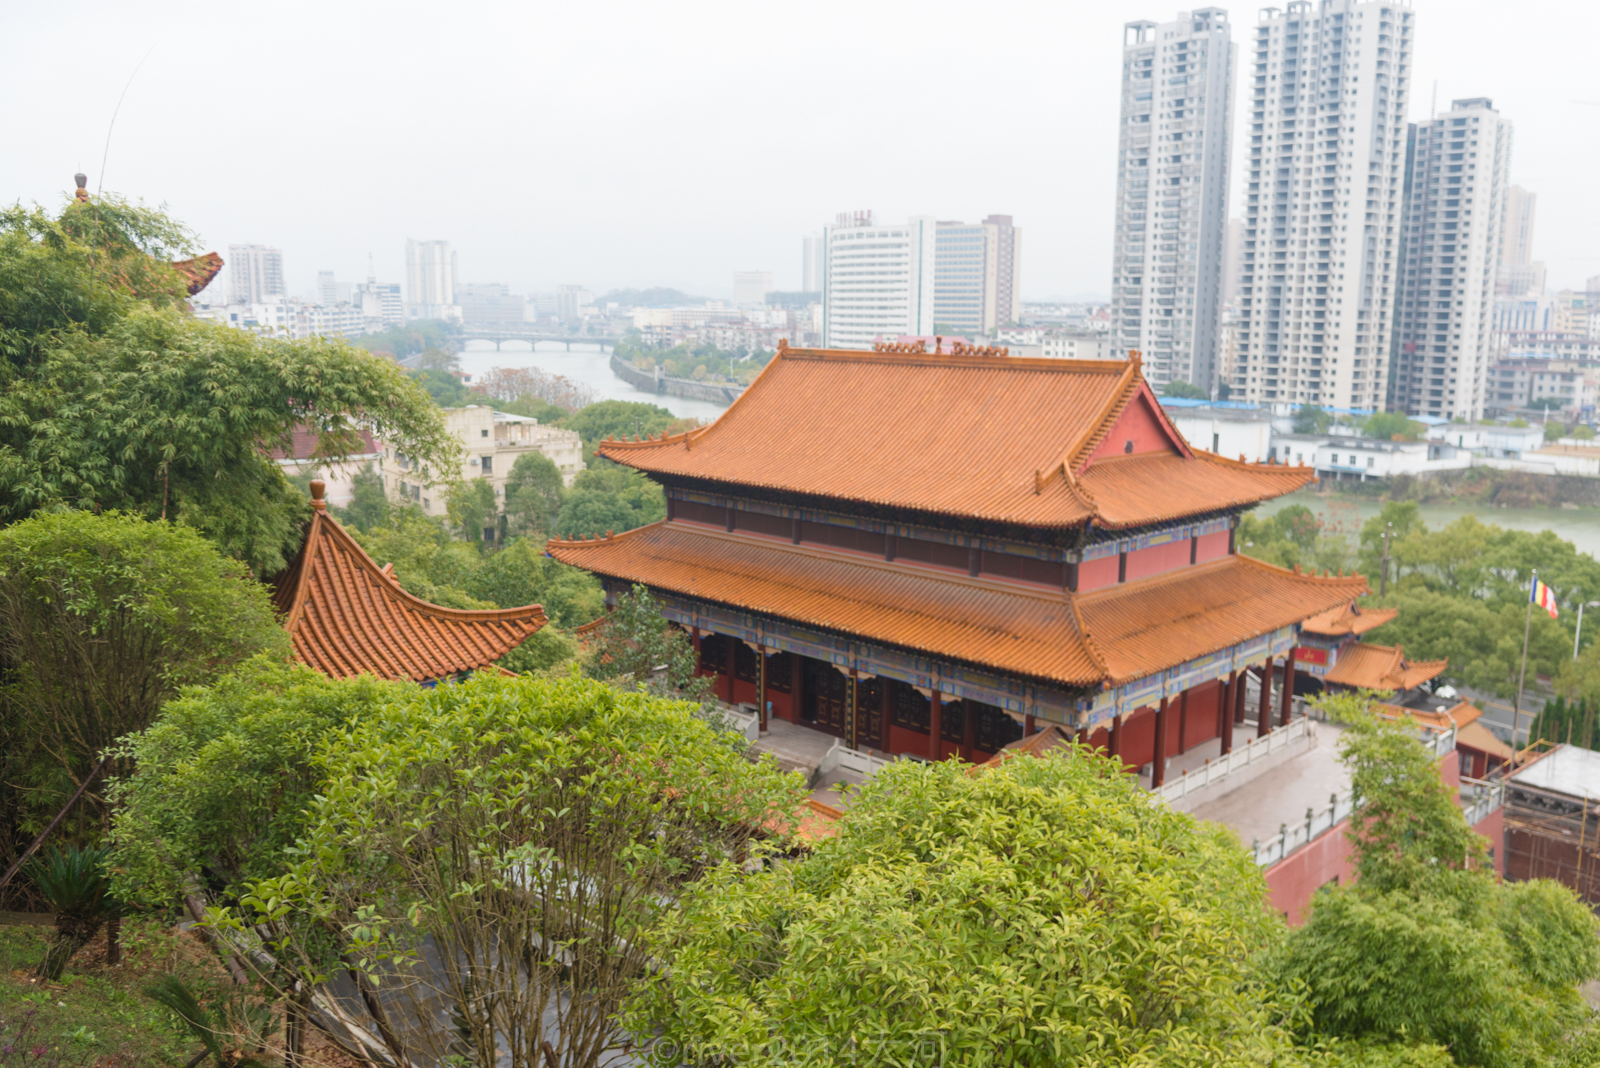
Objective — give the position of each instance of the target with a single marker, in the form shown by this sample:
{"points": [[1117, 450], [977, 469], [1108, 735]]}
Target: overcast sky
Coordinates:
{"points": [[636, 144]]}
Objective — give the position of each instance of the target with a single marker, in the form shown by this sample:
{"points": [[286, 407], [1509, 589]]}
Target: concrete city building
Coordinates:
{"points": [[430, 278], [1454, 222], [1327, 124], [330, 291], [976, 271], [751, 287], [571, 300], [489, 302], [255, 274], [1519, 275], [1172, 193], [877, 280], [811, 264]]}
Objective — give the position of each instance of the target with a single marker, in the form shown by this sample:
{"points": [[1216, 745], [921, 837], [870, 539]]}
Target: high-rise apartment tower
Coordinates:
{"points": [[1519, 275], [1319, 269], [877, 280], [811, 264], [255, 274], [976, 271], [1454, 223], [1172, 193]]}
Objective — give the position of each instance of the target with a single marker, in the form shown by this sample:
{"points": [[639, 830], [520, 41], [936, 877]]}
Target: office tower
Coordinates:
{"points": [[976, 269], [811, 264], [255, 274], [330, 291], [877, 280], [751, 287], [1454, 223], [430, 276], [1319, 270], [1172, 193]]}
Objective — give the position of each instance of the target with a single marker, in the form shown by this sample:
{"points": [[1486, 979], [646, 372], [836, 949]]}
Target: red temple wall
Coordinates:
{"points": [[1200, 723], [1138, 740], [1100, 739], [1293, 881], [905, 740], [1095, 574], [1153, 561], [1213, 546], [1141, 426], [782, 705]]}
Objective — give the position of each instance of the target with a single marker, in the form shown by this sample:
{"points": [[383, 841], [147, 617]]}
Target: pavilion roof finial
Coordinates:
{"points": [[318, 489]]}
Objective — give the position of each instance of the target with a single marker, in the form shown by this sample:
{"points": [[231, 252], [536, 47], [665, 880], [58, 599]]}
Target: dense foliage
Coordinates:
{"points": [[102, 619], [1042, 912], [507, 842]]}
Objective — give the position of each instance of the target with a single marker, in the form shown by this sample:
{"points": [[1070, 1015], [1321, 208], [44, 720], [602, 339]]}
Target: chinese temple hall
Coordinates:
{"points": [[939, 553]]}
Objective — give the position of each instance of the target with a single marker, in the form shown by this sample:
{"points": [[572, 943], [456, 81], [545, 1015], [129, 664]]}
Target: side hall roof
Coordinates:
{"points": [[1348, 619], [1105, 637], [1381, 667], [1033, 442], [346, 616]]}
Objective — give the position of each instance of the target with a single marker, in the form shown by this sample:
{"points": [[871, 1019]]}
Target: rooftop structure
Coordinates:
{"points": [[347, 616]]}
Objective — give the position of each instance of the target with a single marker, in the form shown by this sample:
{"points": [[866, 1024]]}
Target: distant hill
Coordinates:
{"points": [[646, 297]]}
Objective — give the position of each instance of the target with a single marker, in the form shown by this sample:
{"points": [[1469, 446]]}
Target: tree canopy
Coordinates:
{"points": [[1179, 388], [610, 498], [118, 399]]}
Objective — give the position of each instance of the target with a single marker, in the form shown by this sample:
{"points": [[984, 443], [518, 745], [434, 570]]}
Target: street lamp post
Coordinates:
{"points": [[1579, 635]]}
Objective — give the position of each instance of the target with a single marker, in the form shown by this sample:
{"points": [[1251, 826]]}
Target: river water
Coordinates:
{"points": [[588, 365], [1345, 515]]}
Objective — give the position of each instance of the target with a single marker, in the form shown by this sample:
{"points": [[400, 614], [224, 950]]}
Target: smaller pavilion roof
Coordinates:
{"points": [[1478, 737], [1348, 619], [1381, 667], [1442, 716], [1050, 739], [346, 616]]}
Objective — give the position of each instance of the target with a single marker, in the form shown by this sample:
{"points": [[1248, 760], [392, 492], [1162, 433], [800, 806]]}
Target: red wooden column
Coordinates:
{"points": [[1183, 719], [969, 732], [1158, 767], [855, 712], [1288, 687], [1225, 711], [732, 659], [761, 685], [1238, 698], [1264, 714], [935, 724], [1114, 743], [1028, 727]]}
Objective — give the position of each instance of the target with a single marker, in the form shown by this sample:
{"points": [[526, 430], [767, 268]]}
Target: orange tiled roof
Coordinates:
{"points": [[1051, 738], [990, 437], [1108, 636], [1477, 736], [1381, 667], [198, 272], [345, 616], [1348, 619], [1457, 716]]}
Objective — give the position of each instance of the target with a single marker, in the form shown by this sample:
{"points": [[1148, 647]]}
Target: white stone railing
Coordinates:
{"points": [[1486, 797], [1317, 822], [742, 719], [1255, 749], [841, 756]]}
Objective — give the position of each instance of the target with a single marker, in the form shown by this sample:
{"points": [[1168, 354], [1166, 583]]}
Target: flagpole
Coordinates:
{"points": [[1516, 708]]}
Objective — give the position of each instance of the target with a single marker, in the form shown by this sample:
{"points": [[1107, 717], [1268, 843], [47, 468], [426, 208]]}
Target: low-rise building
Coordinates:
{"points": [[1525, 381], [1237, 431], [491, 441], [1490, 440]]}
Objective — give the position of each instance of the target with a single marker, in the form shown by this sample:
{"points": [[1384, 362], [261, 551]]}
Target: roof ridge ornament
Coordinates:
{"points": [[318, 489]]}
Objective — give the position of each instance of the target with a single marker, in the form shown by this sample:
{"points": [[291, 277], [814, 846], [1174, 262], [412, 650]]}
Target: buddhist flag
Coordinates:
{"points": [[1544, 597]]}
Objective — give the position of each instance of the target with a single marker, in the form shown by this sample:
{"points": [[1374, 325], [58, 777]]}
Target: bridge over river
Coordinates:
{"points": [[528, 332]]}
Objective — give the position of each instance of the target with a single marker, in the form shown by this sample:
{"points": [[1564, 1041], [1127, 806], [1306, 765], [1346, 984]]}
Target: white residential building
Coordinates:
{"points": [[255, 274], [430, 279], [1328, 94], [1454, 222], [811, 264], [1172, 193], [1519, 275], [877, 280], [491, 441], [1237, 433], [330, 291], [976, 272]]}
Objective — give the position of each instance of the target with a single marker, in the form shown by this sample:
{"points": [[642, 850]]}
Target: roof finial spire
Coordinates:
{"points": [[83, 182], [318, 488]]}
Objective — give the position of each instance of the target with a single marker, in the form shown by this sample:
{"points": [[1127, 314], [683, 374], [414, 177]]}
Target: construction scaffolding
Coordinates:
{"points": [[1552, 835]]}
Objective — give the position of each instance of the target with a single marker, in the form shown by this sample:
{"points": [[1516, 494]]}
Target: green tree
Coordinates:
{"points": [[427, 562], [1400, 519], [522, 574], [1482, 640], [532, 831], [637, 647], [547, 650], [616, 419], [102, 619], [369, 504], [1583, 433], [534, 490], [610, 498], [1180, 388], [1311, 419], [1391, 426], [1043, 912], [413, 338], [472, 507], [222, 779], [446, 390], [1426, 915]]}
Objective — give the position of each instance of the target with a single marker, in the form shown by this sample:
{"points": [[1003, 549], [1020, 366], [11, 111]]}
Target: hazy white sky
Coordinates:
{"points": [[634, 144]]}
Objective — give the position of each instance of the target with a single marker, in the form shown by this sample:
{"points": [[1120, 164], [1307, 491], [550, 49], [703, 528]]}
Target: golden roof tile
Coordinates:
{"points": [[1348, 619], [1383, 668]]}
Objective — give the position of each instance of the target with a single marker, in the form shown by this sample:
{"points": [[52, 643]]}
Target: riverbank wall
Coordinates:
{"points": [[656, 382]]}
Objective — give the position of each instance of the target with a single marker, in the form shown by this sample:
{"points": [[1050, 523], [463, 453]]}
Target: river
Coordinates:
{"points": [[1341, 514], [589, 366]]}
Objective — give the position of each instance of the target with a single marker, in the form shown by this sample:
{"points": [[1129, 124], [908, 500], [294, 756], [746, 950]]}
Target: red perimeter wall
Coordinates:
{"points": [[1293, 881]]}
